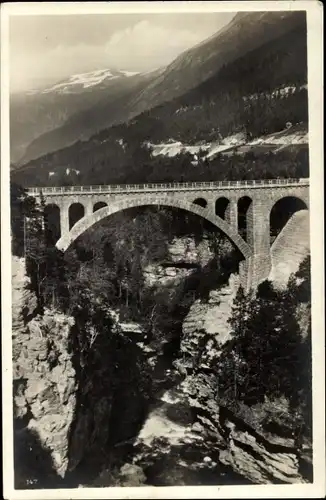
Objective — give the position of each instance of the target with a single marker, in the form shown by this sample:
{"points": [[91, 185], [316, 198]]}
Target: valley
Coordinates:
{"points": [[161, 299], [199, 82], [161, 421]]}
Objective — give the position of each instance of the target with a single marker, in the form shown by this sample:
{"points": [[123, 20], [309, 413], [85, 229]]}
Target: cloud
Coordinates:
{"points": [[146, 42], [140, 47], [50, 66]]}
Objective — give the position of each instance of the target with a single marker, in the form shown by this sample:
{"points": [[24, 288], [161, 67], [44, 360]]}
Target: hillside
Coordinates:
{"points": [[246, 32], [38, 112], [256, 95], [242, 95]]}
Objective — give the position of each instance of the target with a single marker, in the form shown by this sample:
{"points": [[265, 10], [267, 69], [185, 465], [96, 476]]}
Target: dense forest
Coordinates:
{"points": [[137, 165], [269, 357], [256, 95]]}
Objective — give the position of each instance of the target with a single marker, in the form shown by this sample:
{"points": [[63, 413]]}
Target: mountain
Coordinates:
{"points": [[81, 81], [252, 94], [244, 33], [37, 112]]}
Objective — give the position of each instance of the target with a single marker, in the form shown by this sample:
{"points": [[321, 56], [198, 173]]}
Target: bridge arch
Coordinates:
{"points": [[52, 222], [98, 205], [201, 202], [76, 212], [282, 211], [86, 222], [245, 207], [221, 205]]}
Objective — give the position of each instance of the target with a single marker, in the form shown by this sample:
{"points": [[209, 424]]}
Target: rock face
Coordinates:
{"points": [[23, 301], [259, 457], [251, 457], [164, 276], [43, 374], [187, 250], [182, 252], [63, 408], [290, 248], [209, 319]]}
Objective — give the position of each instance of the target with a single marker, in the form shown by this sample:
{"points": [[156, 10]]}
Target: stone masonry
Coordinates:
{"points": [[262, 195]]}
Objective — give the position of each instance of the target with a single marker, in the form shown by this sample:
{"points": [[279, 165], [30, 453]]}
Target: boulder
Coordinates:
{"points": [[37, 389], [132, 475]]}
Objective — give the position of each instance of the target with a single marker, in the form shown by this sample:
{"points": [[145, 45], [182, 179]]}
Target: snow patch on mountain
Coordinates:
{"points": [[232, 141], [282, 138], [176, 147], [86, 80], [290, 136], [83, 79], [281, 92], [130, 73]]}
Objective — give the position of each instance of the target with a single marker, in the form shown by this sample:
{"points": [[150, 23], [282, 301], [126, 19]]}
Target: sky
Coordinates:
{"points": [[46, 49]]}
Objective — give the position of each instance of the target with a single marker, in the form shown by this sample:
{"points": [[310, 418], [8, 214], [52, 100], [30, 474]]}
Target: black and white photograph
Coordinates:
{"points": [[162, 261]]}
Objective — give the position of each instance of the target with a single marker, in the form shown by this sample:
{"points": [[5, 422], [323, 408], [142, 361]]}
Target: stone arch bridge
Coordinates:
{"points": [[240, 209]]}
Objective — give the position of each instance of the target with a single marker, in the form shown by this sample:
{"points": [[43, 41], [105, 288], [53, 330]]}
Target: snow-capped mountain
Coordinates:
{"points": [[81, 81], [187, 85], [39, 111]]}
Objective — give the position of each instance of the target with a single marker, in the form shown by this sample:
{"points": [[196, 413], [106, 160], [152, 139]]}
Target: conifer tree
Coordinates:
{"points": [[239, 314]]}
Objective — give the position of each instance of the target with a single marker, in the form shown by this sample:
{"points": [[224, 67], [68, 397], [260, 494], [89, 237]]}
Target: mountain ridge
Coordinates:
{"points": [[257, 94], [188, 70], [35, 113], [85, 80]]}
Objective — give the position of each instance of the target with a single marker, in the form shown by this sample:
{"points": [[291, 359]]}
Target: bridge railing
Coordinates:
{"points": [[172, 186]]}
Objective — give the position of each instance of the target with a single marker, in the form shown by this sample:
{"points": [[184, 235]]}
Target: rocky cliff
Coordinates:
{"points": [[70, 398], [44, 380], [209, 319], [185, 256], [260, 456], [243, 439], [66, 410], [290, 248]]}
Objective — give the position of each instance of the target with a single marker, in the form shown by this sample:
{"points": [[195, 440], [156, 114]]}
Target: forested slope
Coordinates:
{"points": [[245, 32], [256, 94]]}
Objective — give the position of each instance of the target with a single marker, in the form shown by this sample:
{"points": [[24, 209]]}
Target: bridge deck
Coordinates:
{"points": [[163, 187]]}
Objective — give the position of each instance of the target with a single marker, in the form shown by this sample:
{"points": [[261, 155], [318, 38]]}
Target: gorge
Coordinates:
{"points": [[161, 326], [116, 373]]}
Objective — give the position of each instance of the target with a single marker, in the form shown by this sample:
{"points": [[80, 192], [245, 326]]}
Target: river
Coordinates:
{"points": [[167, 448]]}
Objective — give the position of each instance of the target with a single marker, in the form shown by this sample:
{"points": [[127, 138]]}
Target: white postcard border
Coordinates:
{"points": [[315, 87]]}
